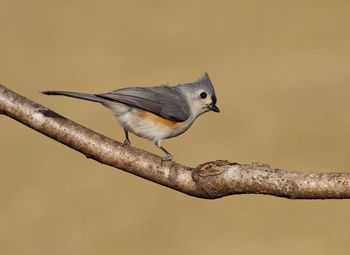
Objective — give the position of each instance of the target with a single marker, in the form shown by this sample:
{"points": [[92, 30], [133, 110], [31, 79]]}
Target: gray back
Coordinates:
{"points": [[164, 101]]}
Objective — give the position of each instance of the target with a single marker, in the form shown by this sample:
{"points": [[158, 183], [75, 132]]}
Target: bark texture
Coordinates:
{"points": [[209, 180]]}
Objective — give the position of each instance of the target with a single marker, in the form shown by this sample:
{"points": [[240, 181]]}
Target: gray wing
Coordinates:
{"points": [[164, 101]]}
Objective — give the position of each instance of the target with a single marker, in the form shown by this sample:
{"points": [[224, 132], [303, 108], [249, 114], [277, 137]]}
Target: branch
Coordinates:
{"points": [[209, 180]]}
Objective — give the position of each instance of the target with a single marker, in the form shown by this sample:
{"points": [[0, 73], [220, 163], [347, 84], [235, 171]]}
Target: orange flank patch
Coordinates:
{"points": [[157, 119]]}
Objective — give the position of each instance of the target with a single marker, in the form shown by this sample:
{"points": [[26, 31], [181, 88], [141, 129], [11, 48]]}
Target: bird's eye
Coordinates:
{"points": [[203, 95]]}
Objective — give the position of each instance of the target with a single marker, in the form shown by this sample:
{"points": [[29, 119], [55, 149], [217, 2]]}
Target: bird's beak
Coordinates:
{"points": [[214, 108]]}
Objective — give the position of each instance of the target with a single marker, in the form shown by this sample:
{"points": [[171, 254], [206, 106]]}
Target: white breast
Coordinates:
{"points": [[136, 123], [132, 120]]}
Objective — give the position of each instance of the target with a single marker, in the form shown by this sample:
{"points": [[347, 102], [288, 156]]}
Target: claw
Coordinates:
{"points": [[167, 157], [126, 142]]}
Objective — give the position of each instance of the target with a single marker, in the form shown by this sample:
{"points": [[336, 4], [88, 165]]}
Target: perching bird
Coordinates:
{"points": [[155, 113]]}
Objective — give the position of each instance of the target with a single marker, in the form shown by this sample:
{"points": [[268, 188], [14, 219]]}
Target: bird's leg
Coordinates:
{"points": [[168, 156], [126, 141]]}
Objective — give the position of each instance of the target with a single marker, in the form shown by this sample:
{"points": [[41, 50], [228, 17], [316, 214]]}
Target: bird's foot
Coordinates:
{"points": [[167, 157], [126, 142]]}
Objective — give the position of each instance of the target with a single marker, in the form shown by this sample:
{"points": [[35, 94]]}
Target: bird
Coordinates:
{"points": [[155, 113]]}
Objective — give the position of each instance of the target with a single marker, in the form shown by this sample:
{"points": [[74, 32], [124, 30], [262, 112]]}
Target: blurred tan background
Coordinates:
{"points": [[282, 75]]}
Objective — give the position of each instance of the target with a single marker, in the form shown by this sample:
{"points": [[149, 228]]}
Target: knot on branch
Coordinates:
{"points": [[210, 169], [209, 177], [220, 178]]}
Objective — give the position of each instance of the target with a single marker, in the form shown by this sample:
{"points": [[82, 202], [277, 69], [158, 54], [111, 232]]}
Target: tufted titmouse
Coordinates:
{"points": [[155, 113]]}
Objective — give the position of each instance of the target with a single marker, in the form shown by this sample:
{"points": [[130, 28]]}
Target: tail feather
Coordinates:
{"points": [[79, 95]]}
